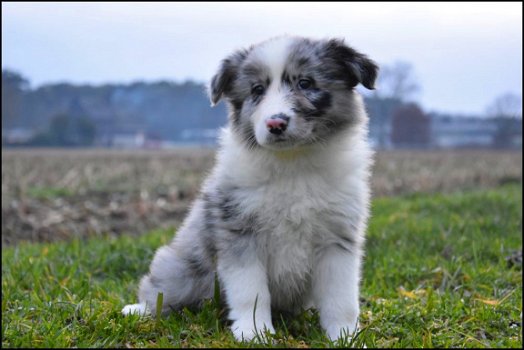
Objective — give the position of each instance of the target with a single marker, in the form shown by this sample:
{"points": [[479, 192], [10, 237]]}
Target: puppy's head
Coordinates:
{"points": [[288, 91]]}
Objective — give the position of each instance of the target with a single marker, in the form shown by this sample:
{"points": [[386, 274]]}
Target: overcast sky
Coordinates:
{"points": [[464, 54]]}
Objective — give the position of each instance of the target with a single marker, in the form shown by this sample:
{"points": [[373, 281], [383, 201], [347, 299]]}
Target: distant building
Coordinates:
{"points": [[17, 136], [129, 140], [459, 132], [200, 136], [110, 133]]}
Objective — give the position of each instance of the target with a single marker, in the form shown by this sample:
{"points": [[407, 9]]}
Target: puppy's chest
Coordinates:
{"points": [[290, 215], [288, 206]]}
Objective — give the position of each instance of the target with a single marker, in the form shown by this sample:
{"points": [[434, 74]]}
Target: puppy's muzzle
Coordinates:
{"points": [[277, 124]]}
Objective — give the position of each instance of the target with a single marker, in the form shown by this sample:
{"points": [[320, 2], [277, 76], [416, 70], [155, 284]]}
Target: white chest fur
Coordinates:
{"points": [[302, 201]]}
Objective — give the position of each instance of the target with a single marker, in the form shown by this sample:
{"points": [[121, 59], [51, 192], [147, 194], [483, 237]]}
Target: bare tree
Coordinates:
{"points": [[396, 85], [506, 111], [410, 127], [397, 81], [506, 105]]}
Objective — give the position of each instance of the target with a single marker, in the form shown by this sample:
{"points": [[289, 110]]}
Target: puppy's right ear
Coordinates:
{"points": [[222, 82]]}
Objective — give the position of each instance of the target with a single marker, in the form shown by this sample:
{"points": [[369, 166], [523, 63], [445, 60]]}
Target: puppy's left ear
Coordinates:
{"points": [[359, 68], [222, 82]]}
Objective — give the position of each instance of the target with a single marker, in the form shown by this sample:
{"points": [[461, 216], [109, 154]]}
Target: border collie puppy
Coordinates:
{"points": [[282, 216]]}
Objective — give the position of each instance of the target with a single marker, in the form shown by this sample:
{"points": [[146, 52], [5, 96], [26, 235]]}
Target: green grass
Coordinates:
{"points": [[48, 192], [435, 275]]}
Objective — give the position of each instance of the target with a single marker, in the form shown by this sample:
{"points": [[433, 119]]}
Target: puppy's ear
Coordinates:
{"points": [[222, 82], [358, 67]]}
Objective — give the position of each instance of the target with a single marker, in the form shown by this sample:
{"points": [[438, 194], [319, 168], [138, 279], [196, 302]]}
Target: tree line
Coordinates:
{"points": [[83, 115]]}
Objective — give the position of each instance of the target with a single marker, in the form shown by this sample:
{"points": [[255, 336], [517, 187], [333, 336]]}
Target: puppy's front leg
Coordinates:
{"points": [[245, 284], [335, 290]]}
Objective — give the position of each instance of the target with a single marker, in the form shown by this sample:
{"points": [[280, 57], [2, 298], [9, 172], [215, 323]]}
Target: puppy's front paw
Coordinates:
{"points": [[139, 309], [335, 332], [245, 330], [341, 335]]}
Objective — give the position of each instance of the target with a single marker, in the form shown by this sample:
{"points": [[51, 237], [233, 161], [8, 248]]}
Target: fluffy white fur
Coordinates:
{"points": [[311, 202], [291, 190]]}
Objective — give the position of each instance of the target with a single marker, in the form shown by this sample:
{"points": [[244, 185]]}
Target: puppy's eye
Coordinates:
{"points": [[258, 90], [305, 84]]}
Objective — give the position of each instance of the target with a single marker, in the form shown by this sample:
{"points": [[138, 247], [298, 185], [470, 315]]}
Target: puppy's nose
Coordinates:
{"points": [[277, 124]]}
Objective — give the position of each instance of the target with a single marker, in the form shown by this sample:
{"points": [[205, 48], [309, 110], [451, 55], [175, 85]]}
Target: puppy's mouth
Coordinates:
{"points": [[284, 141]]}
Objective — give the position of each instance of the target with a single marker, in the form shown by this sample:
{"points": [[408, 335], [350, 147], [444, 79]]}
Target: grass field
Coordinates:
{"points": [[441, 270], [49, 195]]}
